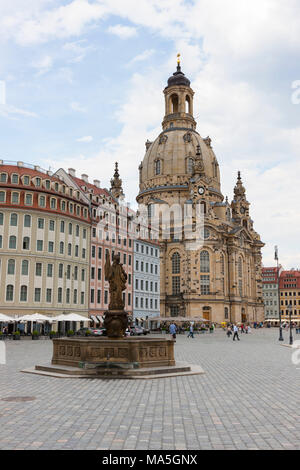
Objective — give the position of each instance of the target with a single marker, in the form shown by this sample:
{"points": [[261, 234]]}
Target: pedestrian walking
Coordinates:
{"points": [[235, 333], [172, 330], [191, 332], [229, 332]]}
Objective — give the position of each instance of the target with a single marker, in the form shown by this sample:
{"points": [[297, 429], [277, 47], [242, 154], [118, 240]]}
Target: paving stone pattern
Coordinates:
{"points": [[248, 398]]}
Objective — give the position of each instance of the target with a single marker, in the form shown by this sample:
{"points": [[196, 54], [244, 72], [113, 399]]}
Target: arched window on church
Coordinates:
{"points": [[204, 278], [174, 103], [176, 263], [204, 262], [187, 104], [222, 262], [190, 165], [157, 167], [176, 271], [240, 276]]}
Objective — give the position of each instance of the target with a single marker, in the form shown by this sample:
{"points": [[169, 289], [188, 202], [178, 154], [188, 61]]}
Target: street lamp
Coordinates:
{"points": [[290, 313], [279, 307]]}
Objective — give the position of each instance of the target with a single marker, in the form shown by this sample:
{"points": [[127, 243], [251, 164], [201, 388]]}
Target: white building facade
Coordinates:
{"points": [[146, 279]]}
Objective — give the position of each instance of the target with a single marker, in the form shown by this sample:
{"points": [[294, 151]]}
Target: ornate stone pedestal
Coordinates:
{"points": [[116, 322], [132, 352]]}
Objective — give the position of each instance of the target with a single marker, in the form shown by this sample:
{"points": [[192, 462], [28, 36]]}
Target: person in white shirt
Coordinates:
{"points": [[235, 332]]}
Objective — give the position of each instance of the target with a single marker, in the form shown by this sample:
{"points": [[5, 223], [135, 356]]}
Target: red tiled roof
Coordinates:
{"points": [[23, 170], [98, 191]]}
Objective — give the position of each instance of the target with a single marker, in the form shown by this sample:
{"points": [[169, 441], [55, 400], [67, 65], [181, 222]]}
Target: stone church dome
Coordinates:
{"points": [[179, 150], [175, 152]]}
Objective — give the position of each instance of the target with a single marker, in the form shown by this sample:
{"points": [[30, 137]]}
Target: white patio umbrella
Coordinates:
{"points": [[71, 317], [6, 319], [35, 317]]}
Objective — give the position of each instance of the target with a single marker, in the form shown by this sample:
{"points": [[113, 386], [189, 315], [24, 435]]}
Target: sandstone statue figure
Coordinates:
{"points": [[117, 277]]}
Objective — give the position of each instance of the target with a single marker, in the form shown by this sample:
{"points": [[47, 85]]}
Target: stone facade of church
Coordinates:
{"points": [[221, 280]]}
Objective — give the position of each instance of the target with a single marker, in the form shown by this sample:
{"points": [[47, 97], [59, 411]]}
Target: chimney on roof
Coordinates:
{"points": [[37, 168], [72, 172], [49, 173], [20, 164], [85, 178], [97, 183], [1, 162]]}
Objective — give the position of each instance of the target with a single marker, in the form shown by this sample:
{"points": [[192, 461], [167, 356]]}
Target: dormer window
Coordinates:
{"points": [[56, 186], [15, 178], [3, 177], [26, 180], [47, 184]]}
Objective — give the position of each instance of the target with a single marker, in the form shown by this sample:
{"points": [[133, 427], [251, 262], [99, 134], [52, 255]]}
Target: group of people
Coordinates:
{"points": [[234, 329], [173, 329]]}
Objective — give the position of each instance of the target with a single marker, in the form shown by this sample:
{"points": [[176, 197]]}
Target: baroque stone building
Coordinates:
{"points": [[221, 280]]}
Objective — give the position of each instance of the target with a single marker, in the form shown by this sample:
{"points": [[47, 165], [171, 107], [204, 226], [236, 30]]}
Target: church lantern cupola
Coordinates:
{"points": [[178, 101]]}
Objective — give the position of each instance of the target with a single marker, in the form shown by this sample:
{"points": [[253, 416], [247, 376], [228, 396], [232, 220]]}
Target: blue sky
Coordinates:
{"points": [[84, 83]]}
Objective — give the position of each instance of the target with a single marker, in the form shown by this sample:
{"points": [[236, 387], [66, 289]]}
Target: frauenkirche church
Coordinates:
{"points": [[221, 281]]}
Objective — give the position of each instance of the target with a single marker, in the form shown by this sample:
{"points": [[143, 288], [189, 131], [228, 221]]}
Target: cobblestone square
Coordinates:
{"points": [[248, 398]]}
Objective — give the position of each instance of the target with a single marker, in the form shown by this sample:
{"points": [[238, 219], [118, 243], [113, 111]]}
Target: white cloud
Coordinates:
{"points": [[11, 112], [78, 50], [75, 106], [39, 24], [145, 55], [43, 65], [87, 138], [123, 32]]}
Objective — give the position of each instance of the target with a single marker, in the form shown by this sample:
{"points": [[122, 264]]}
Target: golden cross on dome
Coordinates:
{"points": [[178, 59]]}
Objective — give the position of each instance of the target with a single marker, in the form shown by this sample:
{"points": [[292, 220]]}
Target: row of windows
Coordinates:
{"points": [[38, 183], [99, 275], [52, 203], [204, 262], [289, 302], [146, 249], [112, 255], [11, 268], [27, 222], [92, 297], [139, 266], [140, 302], [289, 293], [139, 285], [48, 295], [12, 245], [287, 312], [111, 237]]}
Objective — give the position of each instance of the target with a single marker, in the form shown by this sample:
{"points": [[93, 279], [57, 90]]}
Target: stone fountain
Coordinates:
{"points": [[114, 356]]}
